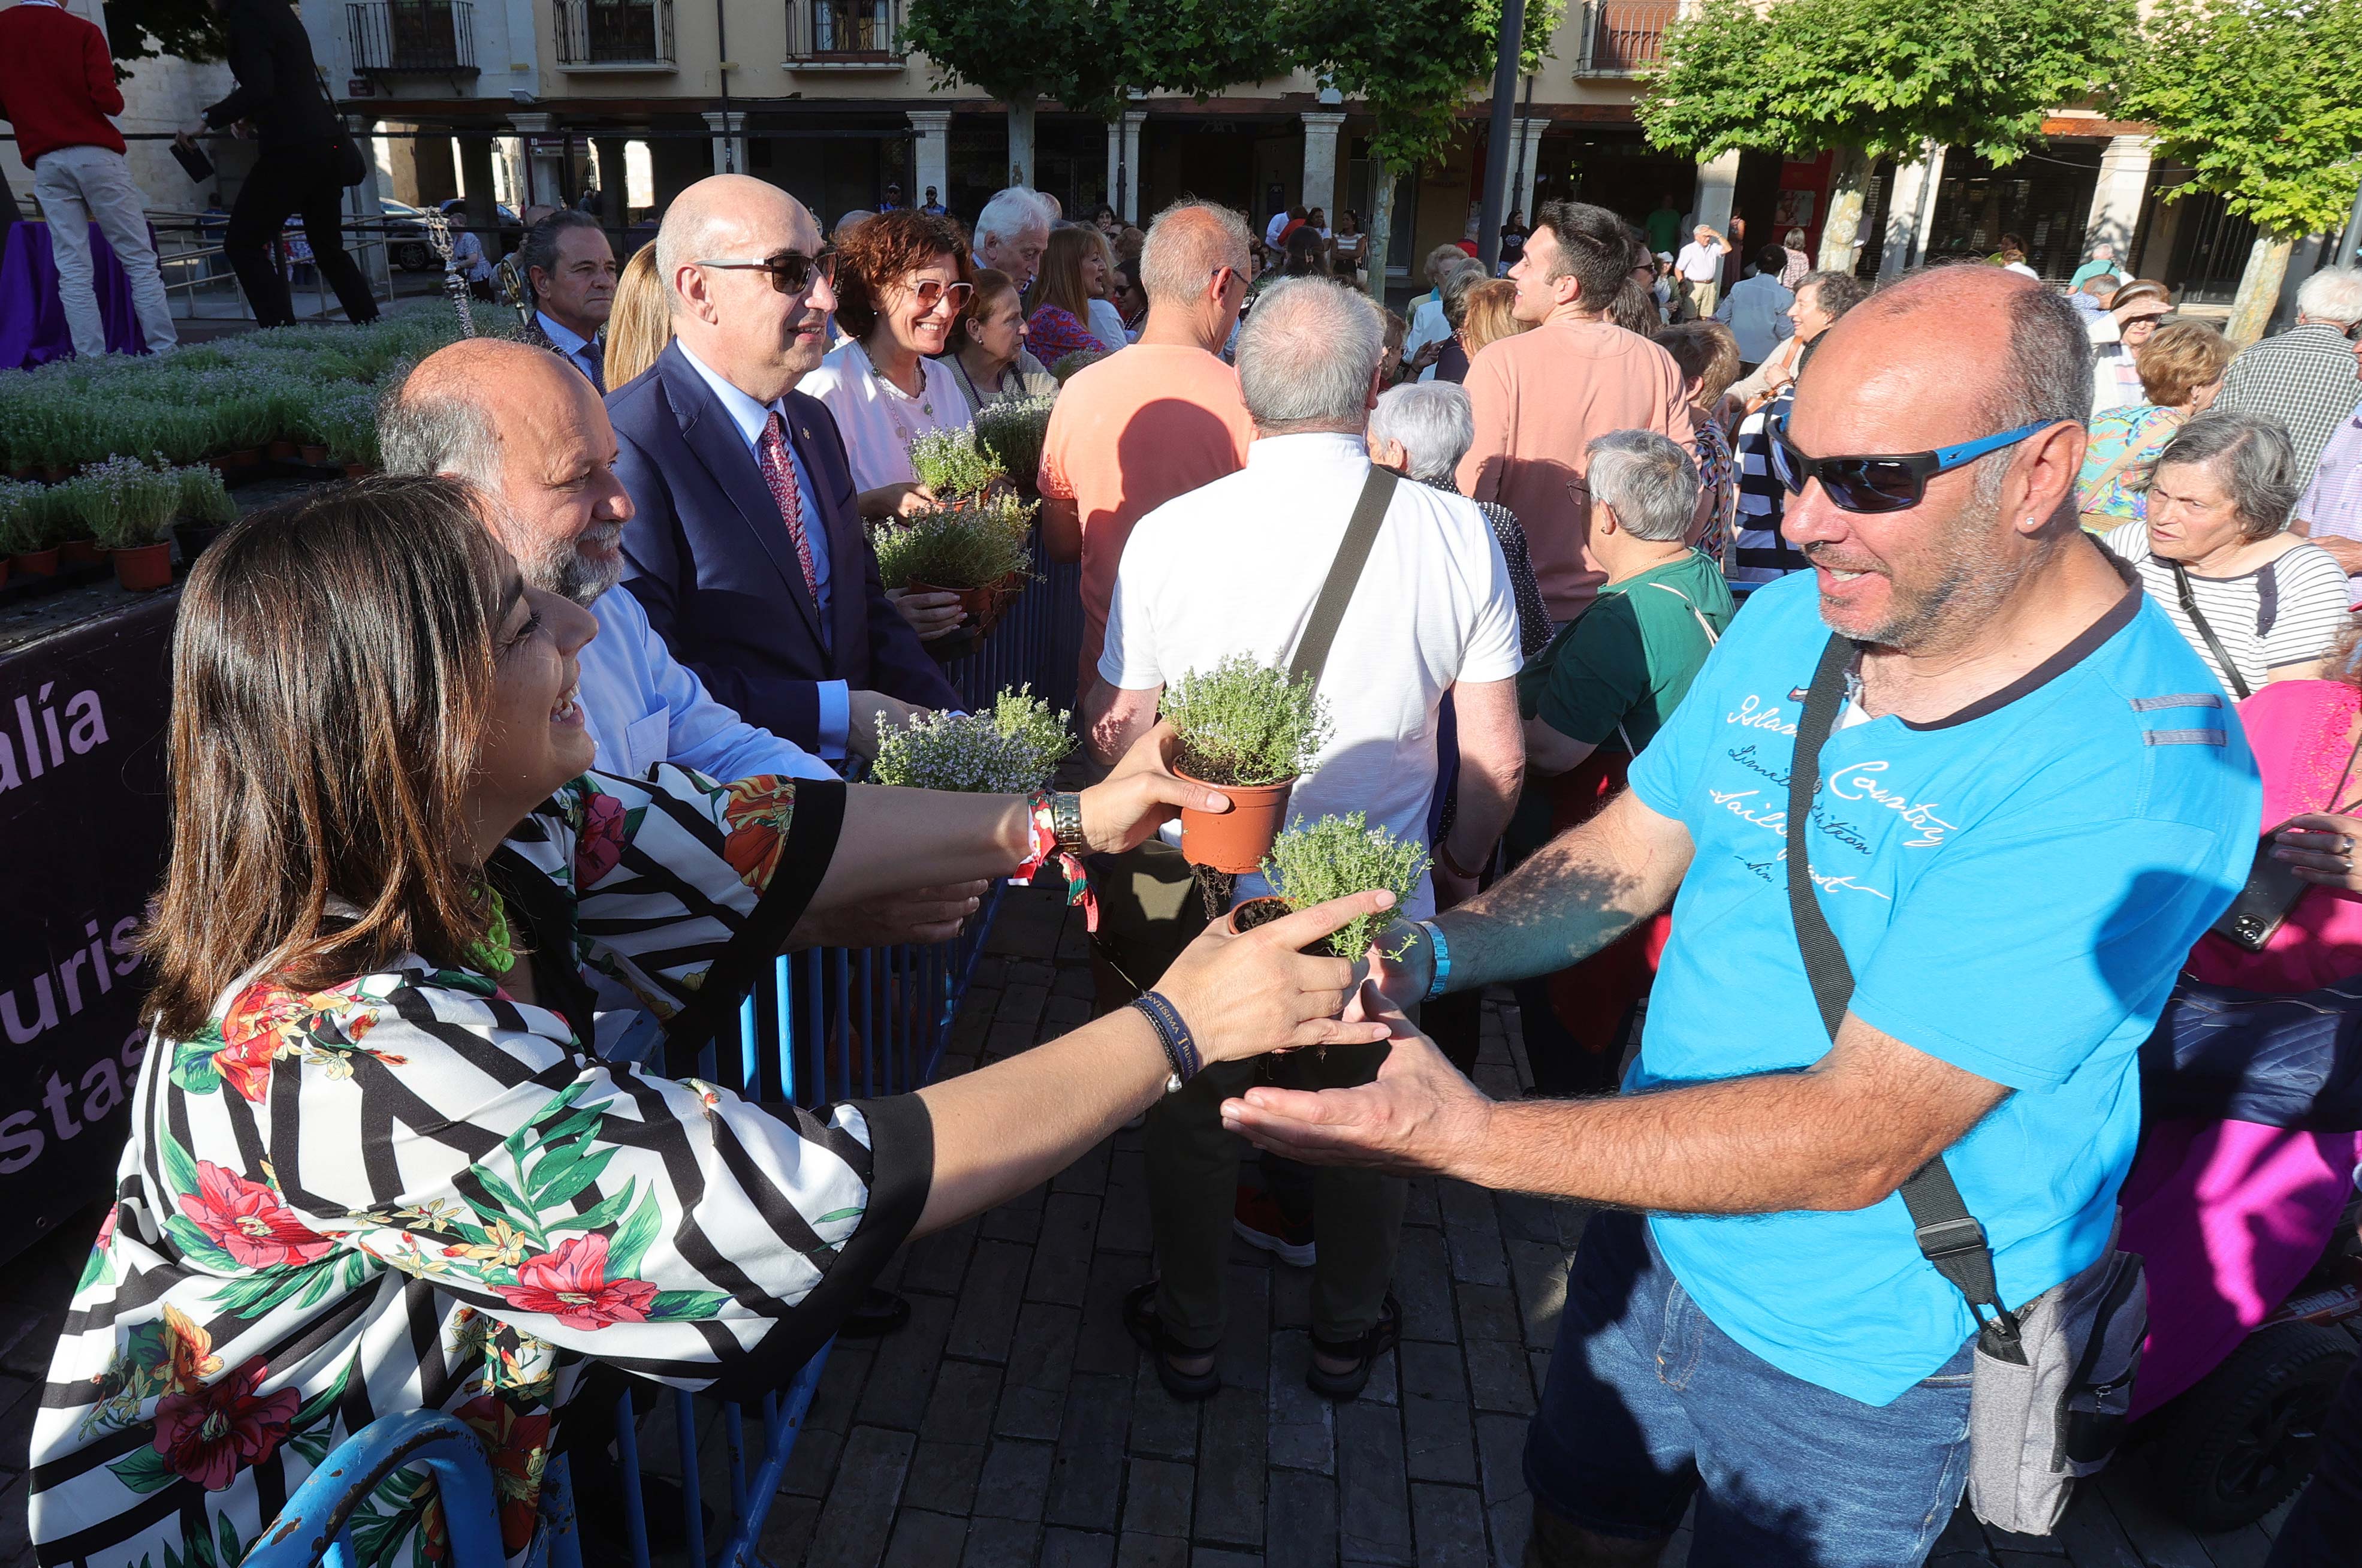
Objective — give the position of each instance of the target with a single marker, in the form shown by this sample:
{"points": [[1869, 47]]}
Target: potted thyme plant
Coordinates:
{"points": [[203, 511], [1013, 750], [1248, 731], [976, 550], [953, 466], [1336, 858], [130, 507], [1012, 429]]}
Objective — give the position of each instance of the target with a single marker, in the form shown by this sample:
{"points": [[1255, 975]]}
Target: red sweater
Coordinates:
{"points": [[56, 81]]}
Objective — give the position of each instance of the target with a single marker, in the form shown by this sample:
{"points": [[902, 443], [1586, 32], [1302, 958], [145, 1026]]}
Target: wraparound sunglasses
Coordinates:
{"points": [[1894, 482]]}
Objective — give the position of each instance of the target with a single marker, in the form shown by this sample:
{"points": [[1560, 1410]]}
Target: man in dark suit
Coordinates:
{"points": [[744, 547], [570, 275]]}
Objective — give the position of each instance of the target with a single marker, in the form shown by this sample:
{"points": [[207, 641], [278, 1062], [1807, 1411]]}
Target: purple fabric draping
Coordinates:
{"points": [[33, 323]]}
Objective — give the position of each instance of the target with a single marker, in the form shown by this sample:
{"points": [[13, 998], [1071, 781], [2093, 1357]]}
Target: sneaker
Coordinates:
{"points": [[1257, 1221]]}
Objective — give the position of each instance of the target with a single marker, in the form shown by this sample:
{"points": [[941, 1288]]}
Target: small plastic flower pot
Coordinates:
{"points": [[316, 456], [1236, 840], [193, 537], [79, 552], [281, 450], [37, 563], [143, 568]]}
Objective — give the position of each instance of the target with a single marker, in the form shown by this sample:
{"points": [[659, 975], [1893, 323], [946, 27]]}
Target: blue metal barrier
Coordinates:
{"points": [[841, 1024], [312, 1527]]}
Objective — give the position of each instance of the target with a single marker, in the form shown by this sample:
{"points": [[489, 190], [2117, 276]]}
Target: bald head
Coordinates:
{"points": [[525, 428], [1947, 357], [734, 318]]}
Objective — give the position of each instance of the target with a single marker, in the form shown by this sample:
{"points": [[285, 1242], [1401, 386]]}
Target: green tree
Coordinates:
{"points": [[1088, 55], [146, 29], [1414, 64], [2261, 102], [1871, 77]]}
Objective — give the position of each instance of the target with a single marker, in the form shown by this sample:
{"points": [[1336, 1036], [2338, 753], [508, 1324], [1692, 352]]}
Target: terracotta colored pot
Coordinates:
{"points": [[977, 602], [143, 568], [316, 456], [3, 571], [355, 471], [1236, 840], [79, 552], [245, 457], [281, 450], [57, 473], [37, 563]]}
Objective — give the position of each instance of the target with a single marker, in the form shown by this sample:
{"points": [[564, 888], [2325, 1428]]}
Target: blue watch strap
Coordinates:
{"points": [[1442, 952]]}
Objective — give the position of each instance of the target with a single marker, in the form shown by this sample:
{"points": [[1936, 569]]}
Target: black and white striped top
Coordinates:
{"points": [[2286, 612]]}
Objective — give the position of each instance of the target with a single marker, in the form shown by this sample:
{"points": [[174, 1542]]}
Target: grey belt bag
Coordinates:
{"points": [[2053, 1379]]}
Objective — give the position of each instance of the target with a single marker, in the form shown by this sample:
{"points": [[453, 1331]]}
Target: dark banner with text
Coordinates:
{"points": [[81, 842]]}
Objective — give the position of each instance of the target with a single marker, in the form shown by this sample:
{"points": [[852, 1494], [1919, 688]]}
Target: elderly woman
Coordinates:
{"points": [[2132, 318], [1421, 431], [2257, 602], [991, 360], [2180, 373], [901, 282], [374, 1164], [1074, 273], [1707, 353]]}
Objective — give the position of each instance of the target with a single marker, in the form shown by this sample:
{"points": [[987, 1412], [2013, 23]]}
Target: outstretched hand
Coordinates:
{"points": [[1243, 995], [1417, 1116], [1140, 794]]}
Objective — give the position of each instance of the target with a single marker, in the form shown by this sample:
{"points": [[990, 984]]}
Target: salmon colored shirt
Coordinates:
{"points": [[1127, 435], [1540, 399]]}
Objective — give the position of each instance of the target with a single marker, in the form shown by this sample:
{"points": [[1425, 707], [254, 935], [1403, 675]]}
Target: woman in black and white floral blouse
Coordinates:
{"points": [[371, 1167]]}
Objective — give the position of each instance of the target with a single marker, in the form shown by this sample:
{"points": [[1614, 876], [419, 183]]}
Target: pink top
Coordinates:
{"points": [[2301, 731]]}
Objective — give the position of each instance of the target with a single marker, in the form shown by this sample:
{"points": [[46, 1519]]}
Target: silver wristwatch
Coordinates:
{"points": [[1066, 820]]}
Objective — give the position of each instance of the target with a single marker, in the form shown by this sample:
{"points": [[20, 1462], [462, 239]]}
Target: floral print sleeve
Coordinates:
{"points": [[410, 1190]]}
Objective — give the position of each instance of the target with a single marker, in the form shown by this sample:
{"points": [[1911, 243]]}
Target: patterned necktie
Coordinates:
{"points": [[779, 473], [590, 359]]}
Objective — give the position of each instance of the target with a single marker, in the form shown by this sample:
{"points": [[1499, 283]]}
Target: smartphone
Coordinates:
{"points": [[2272, 889]]}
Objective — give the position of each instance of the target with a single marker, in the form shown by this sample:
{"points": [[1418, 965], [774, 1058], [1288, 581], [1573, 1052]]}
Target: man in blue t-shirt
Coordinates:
{"points": [[2033, 803]]}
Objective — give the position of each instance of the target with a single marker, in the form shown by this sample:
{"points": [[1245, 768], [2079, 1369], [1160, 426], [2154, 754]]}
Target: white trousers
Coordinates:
{"points": [[77, 186]]}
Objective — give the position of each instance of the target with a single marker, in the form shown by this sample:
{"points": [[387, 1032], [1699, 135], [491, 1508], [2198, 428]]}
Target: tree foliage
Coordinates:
{"points": [[2261, 101], [146, 29], [1087, 54], [1413, 62], [1883, 76]]}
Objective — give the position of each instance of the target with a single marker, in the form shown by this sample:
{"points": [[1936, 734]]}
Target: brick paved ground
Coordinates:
{"points": [[1013, 1421]]}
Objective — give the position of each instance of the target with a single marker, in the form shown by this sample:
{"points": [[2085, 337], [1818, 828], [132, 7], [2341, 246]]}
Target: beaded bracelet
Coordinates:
{"points": [[1180, 1046]]}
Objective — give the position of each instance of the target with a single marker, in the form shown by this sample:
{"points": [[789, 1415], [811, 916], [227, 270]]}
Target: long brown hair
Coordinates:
{"points": [[1061, 283], [641, 324], [332, 676]]}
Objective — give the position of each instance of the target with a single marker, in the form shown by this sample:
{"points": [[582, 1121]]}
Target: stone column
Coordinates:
{"points": [[363, 214], [2116, 199], [614, 183], [545, 159], [1910, 207], [476, 184], [1319, 183], [935, 154], [1132, 120], [1525, 155], [1717, 187], [729, 140]]}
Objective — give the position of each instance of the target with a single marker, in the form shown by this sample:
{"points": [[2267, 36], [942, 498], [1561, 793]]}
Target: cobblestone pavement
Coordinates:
{"points": [[1014, 1422]]}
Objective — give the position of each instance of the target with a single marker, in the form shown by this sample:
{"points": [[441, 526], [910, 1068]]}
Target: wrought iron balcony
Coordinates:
{"points": [[1624, 37], [427, 37], [614, 32], [844, 34]]}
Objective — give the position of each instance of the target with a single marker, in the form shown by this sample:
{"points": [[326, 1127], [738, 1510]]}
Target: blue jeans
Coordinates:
{"points": [[1647, 1399]]}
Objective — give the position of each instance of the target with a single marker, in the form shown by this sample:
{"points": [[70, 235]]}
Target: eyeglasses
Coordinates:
{"points": [[929, 292], [1884, 484], [791, 271]]}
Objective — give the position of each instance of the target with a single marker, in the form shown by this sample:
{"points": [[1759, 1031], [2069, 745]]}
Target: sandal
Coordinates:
{"points": [[1148, 1331], [1365, 1349]]}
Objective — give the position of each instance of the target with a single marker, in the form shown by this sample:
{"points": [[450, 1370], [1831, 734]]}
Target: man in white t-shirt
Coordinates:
{"points": [[1234, 568], [1699, 270]]}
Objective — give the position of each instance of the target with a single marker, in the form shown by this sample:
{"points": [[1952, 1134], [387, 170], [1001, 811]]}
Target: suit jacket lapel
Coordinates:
{"points": [[712, 437], [848, 561]]}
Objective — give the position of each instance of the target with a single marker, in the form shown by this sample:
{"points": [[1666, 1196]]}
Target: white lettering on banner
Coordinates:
{"points": [[29, 1010], [1854, 782], [1753, 715], [21, 1139], [40, 745]]}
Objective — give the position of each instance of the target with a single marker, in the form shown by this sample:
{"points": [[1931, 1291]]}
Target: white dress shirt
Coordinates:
{"points": [[749, 416]]}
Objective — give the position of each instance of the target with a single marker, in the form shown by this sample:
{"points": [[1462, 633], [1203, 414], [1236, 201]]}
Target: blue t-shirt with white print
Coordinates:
{"points": [[2014, 887]]}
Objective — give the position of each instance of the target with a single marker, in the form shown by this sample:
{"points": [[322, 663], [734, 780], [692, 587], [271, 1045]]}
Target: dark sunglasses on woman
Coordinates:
{"points": [[1894, 482], [791, 271]]}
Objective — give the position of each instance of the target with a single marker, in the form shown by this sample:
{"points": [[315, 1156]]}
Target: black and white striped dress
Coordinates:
{"points": [[2287, 611], [410, 1190]]}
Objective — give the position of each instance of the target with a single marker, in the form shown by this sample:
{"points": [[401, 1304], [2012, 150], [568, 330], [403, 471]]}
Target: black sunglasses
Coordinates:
{"points": [[1894, 482], [791, 271]]}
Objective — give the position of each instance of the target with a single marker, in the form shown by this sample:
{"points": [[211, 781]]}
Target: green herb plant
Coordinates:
{"points": [[1246, 723], [956, 546], [204, 500], [1079, 359], [952, 466], [1335, 857], [1012, 430], [123, 503], [1013, 750]]}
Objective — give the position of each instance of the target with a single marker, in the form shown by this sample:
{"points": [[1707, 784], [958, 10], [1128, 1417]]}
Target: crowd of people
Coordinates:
{"points": [[1838, 717]]}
